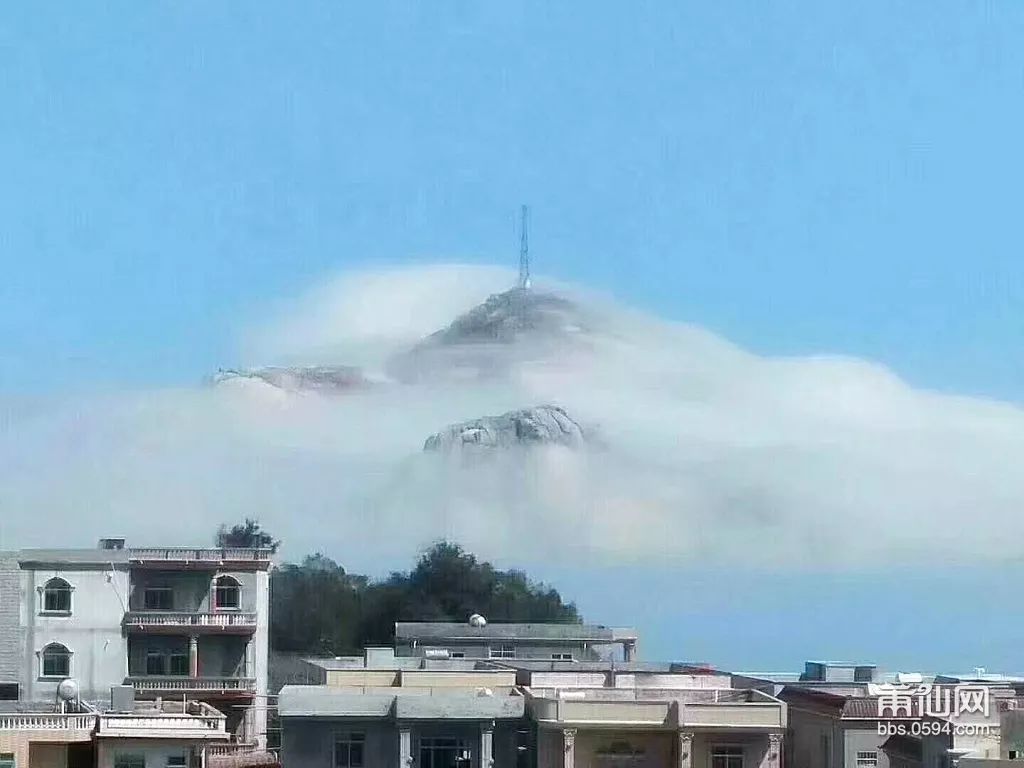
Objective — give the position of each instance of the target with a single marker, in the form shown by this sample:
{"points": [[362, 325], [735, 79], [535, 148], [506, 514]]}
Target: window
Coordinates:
{"points": [[57, 596], [177, 761], [348, 750], [444, 752], [227, 593], [56, 661], [8, 691], [867, 760], [458, 654], [6, 760], [727, 757], [178, 663], [561, 657], [129, 760], [155, 664], [503, 651], [158, 599]]}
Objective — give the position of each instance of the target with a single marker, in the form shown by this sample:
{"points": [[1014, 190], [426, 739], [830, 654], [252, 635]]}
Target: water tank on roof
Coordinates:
{"points": [[476, 620], [67, 690]]}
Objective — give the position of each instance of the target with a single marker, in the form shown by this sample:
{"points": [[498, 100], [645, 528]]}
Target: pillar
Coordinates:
{"points": [[404, 747], [684, 754], [193, 656], [773, 754], [487, 745], [569, 744], [629, 650]]}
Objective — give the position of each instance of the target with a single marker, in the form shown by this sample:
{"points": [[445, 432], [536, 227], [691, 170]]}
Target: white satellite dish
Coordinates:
{"points": [[476, 620], [68, 690]]}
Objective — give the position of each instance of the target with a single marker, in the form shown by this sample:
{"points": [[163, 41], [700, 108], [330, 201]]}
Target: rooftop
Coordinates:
{"points": [[325, 701], [415, 630]]}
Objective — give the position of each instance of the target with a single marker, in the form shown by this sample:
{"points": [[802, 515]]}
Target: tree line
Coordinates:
{"points": [[318, 607]]}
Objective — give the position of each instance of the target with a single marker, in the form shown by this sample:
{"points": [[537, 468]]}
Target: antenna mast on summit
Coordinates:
{"points": [[524, 248]]}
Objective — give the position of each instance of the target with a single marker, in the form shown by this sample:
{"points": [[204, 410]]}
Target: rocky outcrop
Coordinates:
{"points": [[492, 338], [539, 425], [324, 379]]}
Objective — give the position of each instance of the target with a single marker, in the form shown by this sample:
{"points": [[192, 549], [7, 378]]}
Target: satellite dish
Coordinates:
{"points": [[476, 620], [68, 690]]}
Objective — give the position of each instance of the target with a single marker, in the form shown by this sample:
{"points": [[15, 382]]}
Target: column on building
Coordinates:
{"points": [[487, 744], [684, 750], [193, 656], [772, 757], [404, 746], [569, 746], [629, 650]]}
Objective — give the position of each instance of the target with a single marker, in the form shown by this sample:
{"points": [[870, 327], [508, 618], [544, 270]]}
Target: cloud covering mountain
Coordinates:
{"points": [[707, 452]]}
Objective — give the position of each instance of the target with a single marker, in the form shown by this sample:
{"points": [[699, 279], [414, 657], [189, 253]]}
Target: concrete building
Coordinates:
{"points": [[462, 713], [164, 734], [546, 641], [171, 622], [403, 711], [829, 730]]}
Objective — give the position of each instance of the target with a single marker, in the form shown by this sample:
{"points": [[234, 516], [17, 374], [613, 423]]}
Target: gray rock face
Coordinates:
{"points": [[508, 328], [540, 425], [322, 378]]}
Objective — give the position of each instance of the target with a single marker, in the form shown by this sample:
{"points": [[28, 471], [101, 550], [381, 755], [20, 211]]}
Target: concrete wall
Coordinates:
{"points": [[92, 632], [259, 654], [10, 619], [524, 649], [310, 742], [659, 747], [193, 590], [154, 751], [808, 736]]}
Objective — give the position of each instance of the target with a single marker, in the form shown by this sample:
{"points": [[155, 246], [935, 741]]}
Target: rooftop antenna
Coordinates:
{"points": [[524, 249]]}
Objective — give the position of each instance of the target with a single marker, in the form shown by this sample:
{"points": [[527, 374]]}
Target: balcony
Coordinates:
{"points": [[161, 685], [58, 727], [175, 622], [185, 557], [165, 720]]}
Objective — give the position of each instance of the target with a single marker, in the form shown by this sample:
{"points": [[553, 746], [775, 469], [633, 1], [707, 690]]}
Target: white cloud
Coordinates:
{"points": [[708, 451]]}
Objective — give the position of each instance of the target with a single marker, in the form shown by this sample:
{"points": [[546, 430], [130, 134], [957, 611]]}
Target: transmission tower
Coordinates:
{"points": [[524, 248]]}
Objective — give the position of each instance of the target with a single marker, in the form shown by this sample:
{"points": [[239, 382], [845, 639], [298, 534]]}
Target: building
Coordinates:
{"points": [[463, 713], [401, 711], [830, 730], [171, 622], [545, 641], [151, 734]]}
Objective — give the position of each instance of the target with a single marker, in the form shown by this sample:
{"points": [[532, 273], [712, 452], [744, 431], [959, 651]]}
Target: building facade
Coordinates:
{"points": [[171, 622], [461, 713], [509, 641]]}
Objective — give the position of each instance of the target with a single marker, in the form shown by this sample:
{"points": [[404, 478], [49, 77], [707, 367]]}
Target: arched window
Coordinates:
{"points": [[227, 593], [56, 661], [57, 596]]}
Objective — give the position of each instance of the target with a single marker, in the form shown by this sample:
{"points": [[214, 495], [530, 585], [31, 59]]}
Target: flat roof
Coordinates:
{"points": [[326, 701], [91, 556], [451, 630]]}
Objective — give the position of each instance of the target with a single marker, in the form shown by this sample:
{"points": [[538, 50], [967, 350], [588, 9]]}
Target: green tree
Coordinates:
{"points": [[319, 608], [248, 534]]}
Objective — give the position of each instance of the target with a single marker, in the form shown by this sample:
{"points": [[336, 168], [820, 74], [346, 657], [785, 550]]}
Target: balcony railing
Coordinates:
{"points": [[172, 620], [28, 721], [186, 554], [211, 726], [232, 748], [168, 684]]}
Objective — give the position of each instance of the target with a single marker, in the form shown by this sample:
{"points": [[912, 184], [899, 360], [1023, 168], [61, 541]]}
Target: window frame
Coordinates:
{"points": [[52, 587], [729, 753], [346, 740], [158, 589], [866, 758], [502, 651], [562, 657], [181, 761], [130, 760], [67, 654], [7, 760], [234, 585]]}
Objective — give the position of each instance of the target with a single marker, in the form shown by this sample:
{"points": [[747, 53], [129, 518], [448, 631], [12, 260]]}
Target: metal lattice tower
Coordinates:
{"points": [[524, 248]]}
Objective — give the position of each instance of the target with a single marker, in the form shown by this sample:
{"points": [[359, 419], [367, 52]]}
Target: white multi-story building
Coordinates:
{"points": [[172, 622]]}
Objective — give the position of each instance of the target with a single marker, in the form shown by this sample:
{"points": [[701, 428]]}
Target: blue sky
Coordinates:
{"points": [[798, 177], [824, 177]]}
